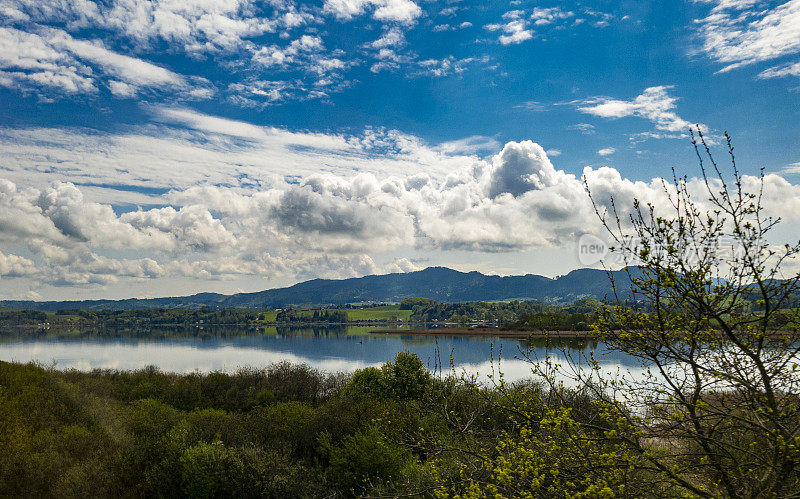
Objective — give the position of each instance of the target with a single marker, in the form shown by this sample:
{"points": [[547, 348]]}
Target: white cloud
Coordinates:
{"points": [[532, 105], [519, 24], [654, 104], [392, 37], [129, 69], [742, 32], [54, 59], [307, 54], [444, 67], [28, 61], [185, 148], [325, 223], [606, 151], [792, 168], [515, 31], [298, 51], [543, 16], [520, 168], [584, 128], [470, 145], [289, 226], [261, 43], [199, 25], [790, 69], [15, 266], [391, 54], [404, 11], [600, 19], [224, 30], [248, 200]]}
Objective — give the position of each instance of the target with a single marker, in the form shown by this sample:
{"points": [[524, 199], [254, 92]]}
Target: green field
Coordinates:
{"points": [[384, 312], [378, 313]]}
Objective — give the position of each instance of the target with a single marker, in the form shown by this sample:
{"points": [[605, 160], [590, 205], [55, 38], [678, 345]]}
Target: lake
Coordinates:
{"points": [[343, 349]]}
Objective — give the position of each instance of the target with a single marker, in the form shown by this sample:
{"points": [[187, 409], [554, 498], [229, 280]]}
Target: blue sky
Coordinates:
{"points": [[165, 147]]}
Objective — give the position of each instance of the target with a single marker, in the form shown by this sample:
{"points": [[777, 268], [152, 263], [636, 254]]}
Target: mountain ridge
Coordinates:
{"points": [[438, 283]]}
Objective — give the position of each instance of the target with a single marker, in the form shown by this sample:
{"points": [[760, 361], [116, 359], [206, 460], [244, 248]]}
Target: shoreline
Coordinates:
{"points": [[478, 331], [500, 333]]}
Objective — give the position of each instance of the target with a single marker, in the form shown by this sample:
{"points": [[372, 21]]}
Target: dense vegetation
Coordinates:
{"points": [[9, 316], [523, 315], [290, 431], [130, 318], [294, 316]]}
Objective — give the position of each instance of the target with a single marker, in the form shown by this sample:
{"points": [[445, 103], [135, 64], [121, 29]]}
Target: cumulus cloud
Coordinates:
{"points": [[606, 151], [16, 266], [543, 16], [55, 60], [390, 53], [404, 11], [306, 54], [520, 25], [514, 31], [392, 37], [519, 168], [321, 224], [743, 32], [275, 49], [198, 26]]}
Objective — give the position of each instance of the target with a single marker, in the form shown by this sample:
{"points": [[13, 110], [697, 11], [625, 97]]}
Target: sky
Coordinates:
{"points": [[167, 147]]}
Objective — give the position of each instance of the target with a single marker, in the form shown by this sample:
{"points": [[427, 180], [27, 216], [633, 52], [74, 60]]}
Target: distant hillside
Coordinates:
{"points": [[438, 283]]}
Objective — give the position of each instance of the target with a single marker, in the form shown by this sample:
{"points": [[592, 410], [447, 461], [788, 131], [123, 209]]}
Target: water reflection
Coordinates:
{"points": [[329, 349]]}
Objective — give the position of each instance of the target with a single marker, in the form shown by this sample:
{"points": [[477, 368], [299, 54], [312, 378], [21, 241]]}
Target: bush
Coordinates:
{"points": [[367, 382], [406, 378], [364, 460]]}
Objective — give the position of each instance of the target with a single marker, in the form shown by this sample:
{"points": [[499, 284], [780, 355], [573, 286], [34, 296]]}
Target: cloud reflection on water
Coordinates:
{"points": [[332, 354]]}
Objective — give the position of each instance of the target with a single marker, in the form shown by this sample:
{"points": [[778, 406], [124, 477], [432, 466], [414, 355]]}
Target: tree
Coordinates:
{"points": [[716, 411]]}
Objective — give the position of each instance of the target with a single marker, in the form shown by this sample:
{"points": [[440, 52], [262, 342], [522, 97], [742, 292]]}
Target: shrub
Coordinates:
{"points": [[406, 378], [364, 460]]}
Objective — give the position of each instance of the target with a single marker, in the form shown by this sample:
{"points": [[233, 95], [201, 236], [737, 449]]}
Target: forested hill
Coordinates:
{"points": [[438, 283]]}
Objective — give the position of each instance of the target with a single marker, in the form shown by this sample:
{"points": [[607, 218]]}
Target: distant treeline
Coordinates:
{"points": [[521, 315], [10, 316], [294, 316], [513, 314], [120, 318]]}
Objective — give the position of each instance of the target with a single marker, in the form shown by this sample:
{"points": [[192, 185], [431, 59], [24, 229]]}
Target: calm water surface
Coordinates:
{"points": [[330, 350]]}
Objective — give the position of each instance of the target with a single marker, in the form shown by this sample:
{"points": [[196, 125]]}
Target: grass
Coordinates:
{"points": [[380, 313]]}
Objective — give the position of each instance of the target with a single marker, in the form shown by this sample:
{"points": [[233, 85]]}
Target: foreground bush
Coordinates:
{"points": [[391, 431]]}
